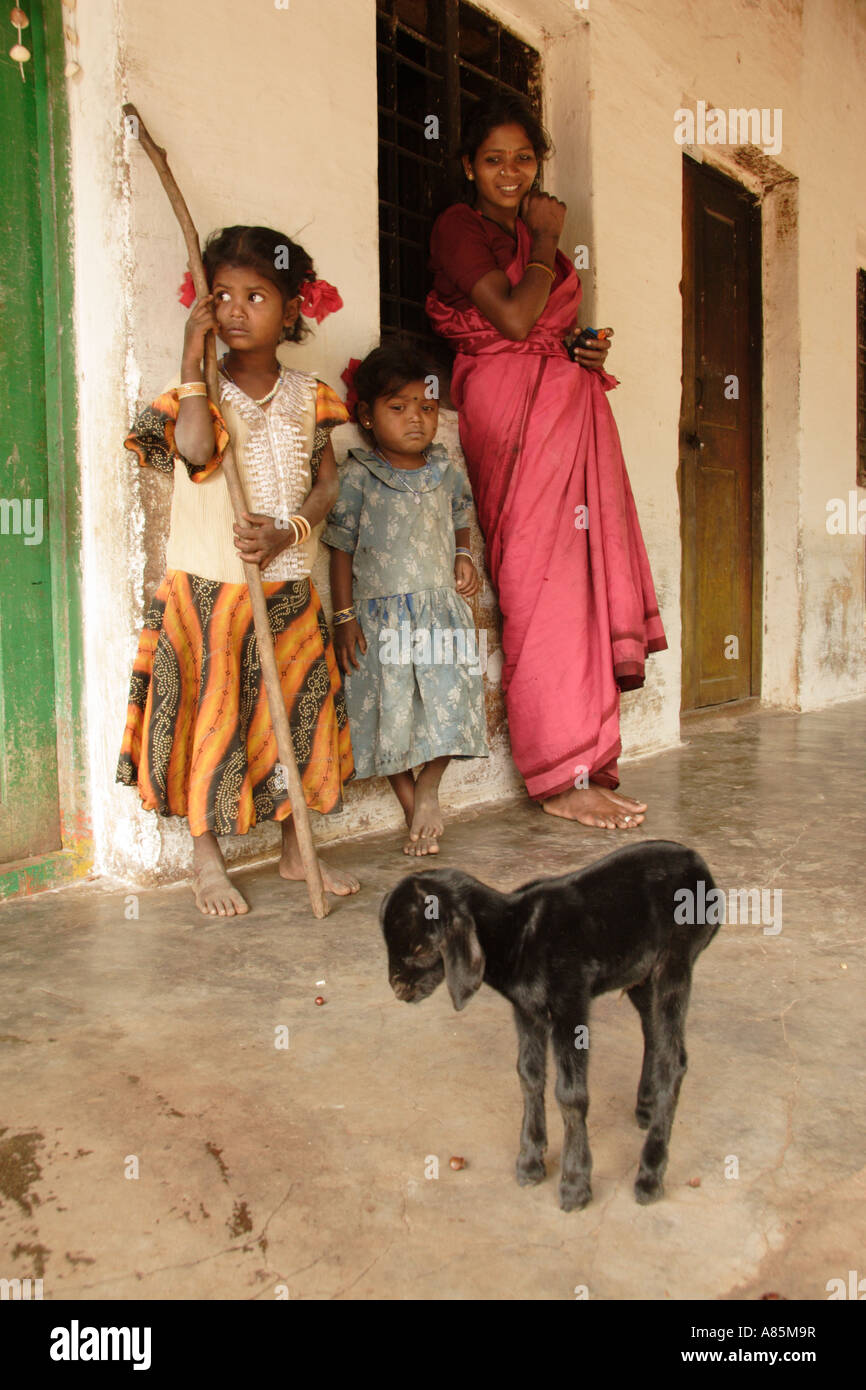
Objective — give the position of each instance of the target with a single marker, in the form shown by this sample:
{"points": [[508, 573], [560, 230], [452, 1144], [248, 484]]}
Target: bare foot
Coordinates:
{"points": [[628, 803], [427, 821], [596, 807], [291, 865], [403, 786], [214, 894]]}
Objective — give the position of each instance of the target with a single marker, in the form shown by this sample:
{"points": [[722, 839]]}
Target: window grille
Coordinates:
{"points": [[435, 59]]}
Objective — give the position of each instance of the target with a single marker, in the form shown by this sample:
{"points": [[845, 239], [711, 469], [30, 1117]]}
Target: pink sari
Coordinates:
{"points": [[563, 543]]}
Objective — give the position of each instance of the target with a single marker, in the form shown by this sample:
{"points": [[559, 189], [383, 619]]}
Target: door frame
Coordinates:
{"points": [[756, 440], [74, 860]]}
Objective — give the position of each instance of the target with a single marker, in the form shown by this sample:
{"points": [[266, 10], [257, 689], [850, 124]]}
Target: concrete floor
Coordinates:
{"points": [[263, 1171]]}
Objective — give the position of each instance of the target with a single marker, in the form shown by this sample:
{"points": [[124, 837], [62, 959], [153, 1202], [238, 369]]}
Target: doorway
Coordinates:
{"points": [[44, 833], [719, 477]]}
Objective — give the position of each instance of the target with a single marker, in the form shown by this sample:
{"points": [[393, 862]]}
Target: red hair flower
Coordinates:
{"points": [[348, 375], [186, 291], [319, 299]]}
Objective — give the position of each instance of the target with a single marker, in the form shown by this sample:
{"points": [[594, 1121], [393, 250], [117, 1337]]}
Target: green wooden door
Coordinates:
{"points": [[29, 801]]}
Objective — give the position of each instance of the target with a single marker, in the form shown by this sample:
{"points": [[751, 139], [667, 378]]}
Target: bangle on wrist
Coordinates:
{"points": [[461, 550], [344, 615], [300, 526], [191, 388]]}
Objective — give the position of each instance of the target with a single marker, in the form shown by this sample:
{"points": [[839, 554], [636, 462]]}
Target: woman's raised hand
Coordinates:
{"points": [[543, 214]]}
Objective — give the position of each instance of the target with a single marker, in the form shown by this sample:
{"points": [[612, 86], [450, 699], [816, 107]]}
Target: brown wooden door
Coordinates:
{"points": [[719, 473]]}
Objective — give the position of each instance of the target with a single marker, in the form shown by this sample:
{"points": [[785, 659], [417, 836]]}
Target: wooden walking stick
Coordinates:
{"points": [[252, 573]]}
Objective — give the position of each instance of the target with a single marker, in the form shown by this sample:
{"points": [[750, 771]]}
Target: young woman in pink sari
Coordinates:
{"points": [[563, 544]]}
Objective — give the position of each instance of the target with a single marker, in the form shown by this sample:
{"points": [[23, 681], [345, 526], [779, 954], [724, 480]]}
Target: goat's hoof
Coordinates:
{"points": [[648, 1189], [575, 1197], [530, 1172], [643, 1115]]}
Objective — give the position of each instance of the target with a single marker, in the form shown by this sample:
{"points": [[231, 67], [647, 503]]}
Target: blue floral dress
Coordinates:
{"points": [[419, 691]]}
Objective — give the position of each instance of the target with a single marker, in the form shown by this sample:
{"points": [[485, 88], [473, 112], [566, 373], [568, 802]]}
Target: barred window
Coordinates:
{"points": [[435, 59]]}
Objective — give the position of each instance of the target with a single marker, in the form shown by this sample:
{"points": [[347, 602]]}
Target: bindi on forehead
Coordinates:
{"points": [[411, 392], [507, 140]]}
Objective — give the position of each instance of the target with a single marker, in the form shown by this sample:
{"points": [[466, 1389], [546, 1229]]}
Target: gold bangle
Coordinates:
{"points": [[191, 388], [302, 526], [539, 265]]}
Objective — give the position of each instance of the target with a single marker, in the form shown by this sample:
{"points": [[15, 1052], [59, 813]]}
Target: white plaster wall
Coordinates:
{"points": [[627, 287], [270, 115], [805, 57], [832, 210], [267, 115], [635, 249], [112, 519]]}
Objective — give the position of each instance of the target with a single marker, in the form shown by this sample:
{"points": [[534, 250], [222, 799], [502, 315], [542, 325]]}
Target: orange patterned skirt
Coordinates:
{"points": [[198, 740]]}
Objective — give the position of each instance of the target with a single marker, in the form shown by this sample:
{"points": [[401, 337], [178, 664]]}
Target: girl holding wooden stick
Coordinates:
{"points": [[198, 741]]}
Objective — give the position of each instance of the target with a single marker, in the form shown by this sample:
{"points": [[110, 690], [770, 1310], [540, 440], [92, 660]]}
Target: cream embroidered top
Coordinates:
{"points": [[277, 450]]}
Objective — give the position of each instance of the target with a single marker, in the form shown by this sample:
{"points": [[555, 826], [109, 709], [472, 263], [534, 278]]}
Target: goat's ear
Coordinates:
{"points": [[463, 958]]}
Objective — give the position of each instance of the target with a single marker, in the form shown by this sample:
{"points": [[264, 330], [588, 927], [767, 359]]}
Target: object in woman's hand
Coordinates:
{"points": [[587, 338]]}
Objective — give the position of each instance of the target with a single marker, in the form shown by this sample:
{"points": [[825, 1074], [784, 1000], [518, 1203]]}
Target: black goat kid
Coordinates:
{"points": [[550, 947]]}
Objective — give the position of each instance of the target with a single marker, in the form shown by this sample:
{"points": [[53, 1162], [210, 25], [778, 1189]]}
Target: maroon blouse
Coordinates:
{"points": [[464, 246]]}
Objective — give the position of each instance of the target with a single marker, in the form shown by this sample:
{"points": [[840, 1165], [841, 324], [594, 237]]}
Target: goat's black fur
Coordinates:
{"points": [[550, 947]]}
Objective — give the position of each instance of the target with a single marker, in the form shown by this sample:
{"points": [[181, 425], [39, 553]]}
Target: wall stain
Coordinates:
{"points": [[168, 1109], [837, 646], [240, 1220], [38, 1252], [217, 1154], [19, 1169]]}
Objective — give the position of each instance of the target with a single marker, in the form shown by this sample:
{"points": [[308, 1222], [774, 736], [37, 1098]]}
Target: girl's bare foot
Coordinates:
{"points": [[427, 821], [291, 865], [214, 894], [596, 807], [403, 787]]}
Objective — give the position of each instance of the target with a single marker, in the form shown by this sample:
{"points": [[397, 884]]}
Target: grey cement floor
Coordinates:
{"points": [[266, 1172]]}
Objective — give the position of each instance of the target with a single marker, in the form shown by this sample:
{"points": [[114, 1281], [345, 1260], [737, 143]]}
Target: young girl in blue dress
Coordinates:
{"points": [[401, 572]]}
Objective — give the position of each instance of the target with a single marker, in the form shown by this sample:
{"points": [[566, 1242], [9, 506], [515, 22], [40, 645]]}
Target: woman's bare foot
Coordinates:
{"points": [[214, 894], [628, 803], [291, 865], [596, 807], [427, 820]]}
